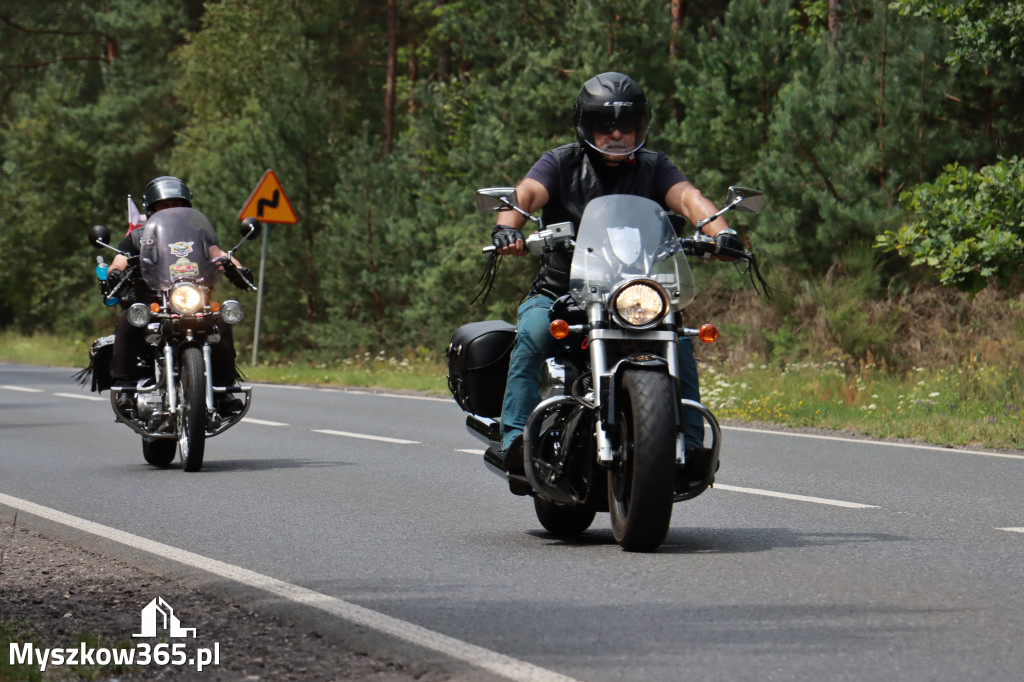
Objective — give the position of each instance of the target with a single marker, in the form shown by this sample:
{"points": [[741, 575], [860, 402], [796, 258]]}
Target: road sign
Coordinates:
{"points": [[268, 203]]}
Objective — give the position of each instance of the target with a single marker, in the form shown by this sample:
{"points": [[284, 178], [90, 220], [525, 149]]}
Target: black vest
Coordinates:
{"points": [[579, 183]]}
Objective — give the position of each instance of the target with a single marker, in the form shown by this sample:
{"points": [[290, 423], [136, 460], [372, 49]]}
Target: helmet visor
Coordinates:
{"points": [[616, 133]]}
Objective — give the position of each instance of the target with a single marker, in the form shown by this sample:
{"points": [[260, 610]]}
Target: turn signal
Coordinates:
{"points": [[708, 333], [215, 307], [559, 329], [154, 308]]}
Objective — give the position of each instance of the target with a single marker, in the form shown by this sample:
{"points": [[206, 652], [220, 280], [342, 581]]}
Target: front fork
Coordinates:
{"points": [[602, 373]]}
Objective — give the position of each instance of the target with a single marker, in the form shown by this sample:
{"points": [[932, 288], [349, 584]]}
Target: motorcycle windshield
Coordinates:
{"points": [[176, 246], [623, 237]]}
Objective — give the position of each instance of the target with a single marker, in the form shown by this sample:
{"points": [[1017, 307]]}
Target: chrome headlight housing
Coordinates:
{"points": [[186, 298], [639, 304], [231, 312], [138, 315]]}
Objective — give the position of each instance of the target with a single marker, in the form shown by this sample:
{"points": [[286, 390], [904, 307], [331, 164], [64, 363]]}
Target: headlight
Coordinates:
{"points": [[186, 298], [640, 304], [138, 315], [231, 312]]}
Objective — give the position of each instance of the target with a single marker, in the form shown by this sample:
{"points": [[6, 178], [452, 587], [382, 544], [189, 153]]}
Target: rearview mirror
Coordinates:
{"points": [[99, 236], [494, 199], [250, 228], [744, 199]]}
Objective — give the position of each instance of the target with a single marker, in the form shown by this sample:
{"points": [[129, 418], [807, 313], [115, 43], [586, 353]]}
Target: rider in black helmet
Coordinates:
{"points": [[612, 117], [162, 193]]}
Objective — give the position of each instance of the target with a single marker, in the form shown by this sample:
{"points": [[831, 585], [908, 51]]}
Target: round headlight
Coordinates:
{"points": [[138, 315], [640, 304], [186, 298], [231, 312]]}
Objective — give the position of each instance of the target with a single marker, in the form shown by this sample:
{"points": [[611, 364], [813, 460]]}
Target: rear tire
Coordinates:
{"points": [[563, 521], [192, 415], [159, 451], [642, 479]]}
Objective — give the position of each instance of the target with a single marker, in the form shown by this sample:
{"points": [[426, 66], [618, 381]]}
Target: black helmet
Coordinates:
{"points": [[163, 188], [612, 101]]}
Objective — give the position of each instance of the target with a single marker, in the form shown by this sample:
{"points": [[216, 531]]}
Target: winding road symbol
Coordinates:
{"points": [[268, 202]]}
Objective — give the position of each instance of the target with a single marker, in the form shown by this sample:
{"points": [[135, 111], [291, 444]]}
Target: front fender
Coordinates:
{"points": [[610, 386]]}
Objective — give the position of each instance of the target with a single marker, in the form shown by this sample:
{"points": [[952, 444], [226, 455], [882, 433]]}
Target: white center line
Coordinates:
{"points": [[798, 498], [264, 422], [470, 452], [383, 439], [79, 396], [492, 661], [1012, 530], [23, 389]]}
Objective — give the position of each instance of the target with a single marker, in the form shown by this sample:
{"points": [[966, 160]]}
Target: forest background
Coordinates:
{"points": [[886, 136]]}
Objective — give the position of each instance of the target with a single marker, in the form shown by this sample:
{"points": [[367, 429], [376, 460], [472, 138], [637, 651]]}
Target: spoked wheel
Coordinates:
{"points": [[642, 479], [192, 415], [563, 521], [159, 451]]}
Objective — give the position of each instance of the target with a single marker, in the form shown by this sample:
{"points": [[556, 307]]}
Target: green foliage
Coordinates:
{"points": [[969, 225], [982, 30]]}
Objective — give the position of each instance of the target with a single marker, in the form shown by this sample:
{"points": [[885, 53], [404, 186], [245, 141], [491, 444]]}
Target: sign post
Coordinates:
{"points": [[268, 204]]}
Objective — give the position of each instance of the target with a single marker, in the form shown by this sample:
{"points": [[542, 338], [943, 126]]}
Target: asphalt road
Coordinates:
{"points": [[813, 558]]}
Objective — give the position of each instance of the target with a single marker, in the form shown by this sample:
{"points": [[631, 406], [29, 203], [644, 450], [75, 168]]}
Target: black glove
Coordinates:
{"points": [[113, 277], [503, 236], [728, 239], [241, 277]]}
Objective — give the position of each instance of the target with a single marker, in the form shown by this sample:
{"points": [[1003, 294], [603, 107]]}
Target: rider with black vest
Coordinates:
{"points": [[163, 192], [612, 116]]}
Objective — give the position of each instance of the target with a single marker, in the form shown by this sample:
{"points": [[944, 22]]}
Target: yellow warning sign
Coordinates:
{"points": [[267, 203]]}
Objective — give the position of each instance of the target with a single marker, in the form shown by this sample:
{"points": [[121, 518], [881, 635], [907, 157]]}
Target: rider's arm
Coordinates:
{"points": [[217, 252], [119, 263], [532, 196], [687, 200]]}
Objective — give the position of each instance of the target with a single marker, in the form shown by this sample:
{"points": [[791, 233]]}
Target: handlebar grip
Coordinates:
{"points": [[488, 249]]}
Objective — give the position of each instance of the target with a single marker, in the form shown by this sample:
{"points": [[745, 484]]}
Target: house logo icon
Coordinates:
{"points": [[159, 614]]}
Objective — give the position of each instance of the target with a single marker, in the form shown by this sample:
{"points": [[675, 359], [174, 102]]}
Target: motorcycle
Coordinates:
{"points": [[173, 407], [607, 434]]}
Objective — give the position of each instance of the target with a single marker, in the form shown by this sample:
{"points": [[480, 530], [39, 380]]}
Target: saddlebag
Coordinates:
{"points": [[478, 365]]}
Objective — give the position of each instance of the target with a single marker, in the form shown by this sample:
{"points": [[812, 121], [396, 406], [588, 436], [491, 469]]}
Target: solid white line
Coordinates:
{"points": [[355, 391], [492, 661], [383, 439], [936, 448], [79, 396], [23, 389], [470, 452], [1012, 530], [798, 498], [263, 422]]}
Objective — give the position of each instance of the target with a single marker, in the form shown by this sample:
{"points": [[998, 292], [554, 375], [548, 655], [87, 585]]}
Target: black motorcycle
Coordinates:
{"points": [[607, 434], [173, 406]]}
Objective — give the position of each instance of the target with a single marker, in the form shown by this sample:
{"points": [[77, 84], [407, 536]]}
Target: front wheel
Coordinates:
{"points": [[642, 478], [563, 521], [192, 409]]}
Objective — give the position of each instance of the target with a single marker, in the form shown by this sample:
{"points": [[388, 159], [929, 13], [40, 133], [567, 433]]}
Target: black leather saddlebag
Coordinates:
{"points": [[98, 372], [478, 365]]}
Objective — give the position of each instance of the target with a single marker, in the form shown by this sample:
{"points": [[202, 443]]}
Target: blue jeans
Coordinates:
{"points": [[534, 345]]}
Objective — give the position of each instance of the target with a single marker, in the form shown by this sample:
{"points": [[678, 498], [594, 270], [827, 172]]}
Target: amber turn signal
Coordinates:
{"points": [[559, 329], [154, 307], [708, 333], [215, 307]]}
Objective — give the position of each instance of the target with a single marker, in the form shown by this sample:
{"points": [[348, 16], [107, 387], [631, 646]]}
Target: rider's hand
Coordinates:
{"points": [[728, 239], [113, 277], [508, 240]]}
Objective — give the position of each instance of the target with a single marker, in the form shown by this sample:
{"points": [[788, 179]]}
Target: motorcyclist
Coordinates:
{"points": [[612, 117], [162, 193]]}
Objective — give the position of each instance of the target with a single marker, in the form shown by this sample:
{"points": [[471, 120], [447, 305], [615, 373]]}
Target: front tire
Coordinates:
{"points": [[642, 479], [563, 521], [159, 451], [192, 415]]}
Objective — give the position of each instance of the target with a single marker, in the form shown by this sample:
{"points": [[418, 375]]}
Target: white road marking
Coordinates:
{"points": [[798, 498], [262, 422], [937, 448], [79, 396], [355, 391], [471, 452], [492, 661], [23, 389], [1012, 530], [383, 439]]}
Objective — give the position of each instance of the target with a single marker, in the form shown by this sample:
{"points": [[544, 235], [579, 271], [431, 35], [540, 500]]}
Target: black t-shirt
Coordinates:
{"points": [[545, 171]]}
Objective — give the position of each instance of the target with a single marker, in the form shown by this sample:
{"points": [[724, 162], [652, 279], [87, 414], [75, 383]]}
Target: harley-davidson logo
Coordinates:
{"points": [[181, 249]]}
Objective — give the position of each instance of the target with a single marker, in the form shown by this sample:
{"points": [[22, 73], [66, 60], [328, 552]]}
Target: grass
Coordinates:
{"points": [[975, 403]]}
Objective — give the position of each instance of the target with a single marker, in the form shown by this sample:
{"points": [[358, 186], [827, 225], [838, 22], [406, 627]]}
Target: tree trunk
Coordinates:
{"points": [[835, 19], [389, 89]]}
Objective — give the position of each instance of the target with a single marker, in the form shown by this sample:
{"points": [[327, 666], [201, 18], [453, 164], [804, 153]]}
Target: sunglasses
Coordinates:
{"points": [[606, 126]]}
